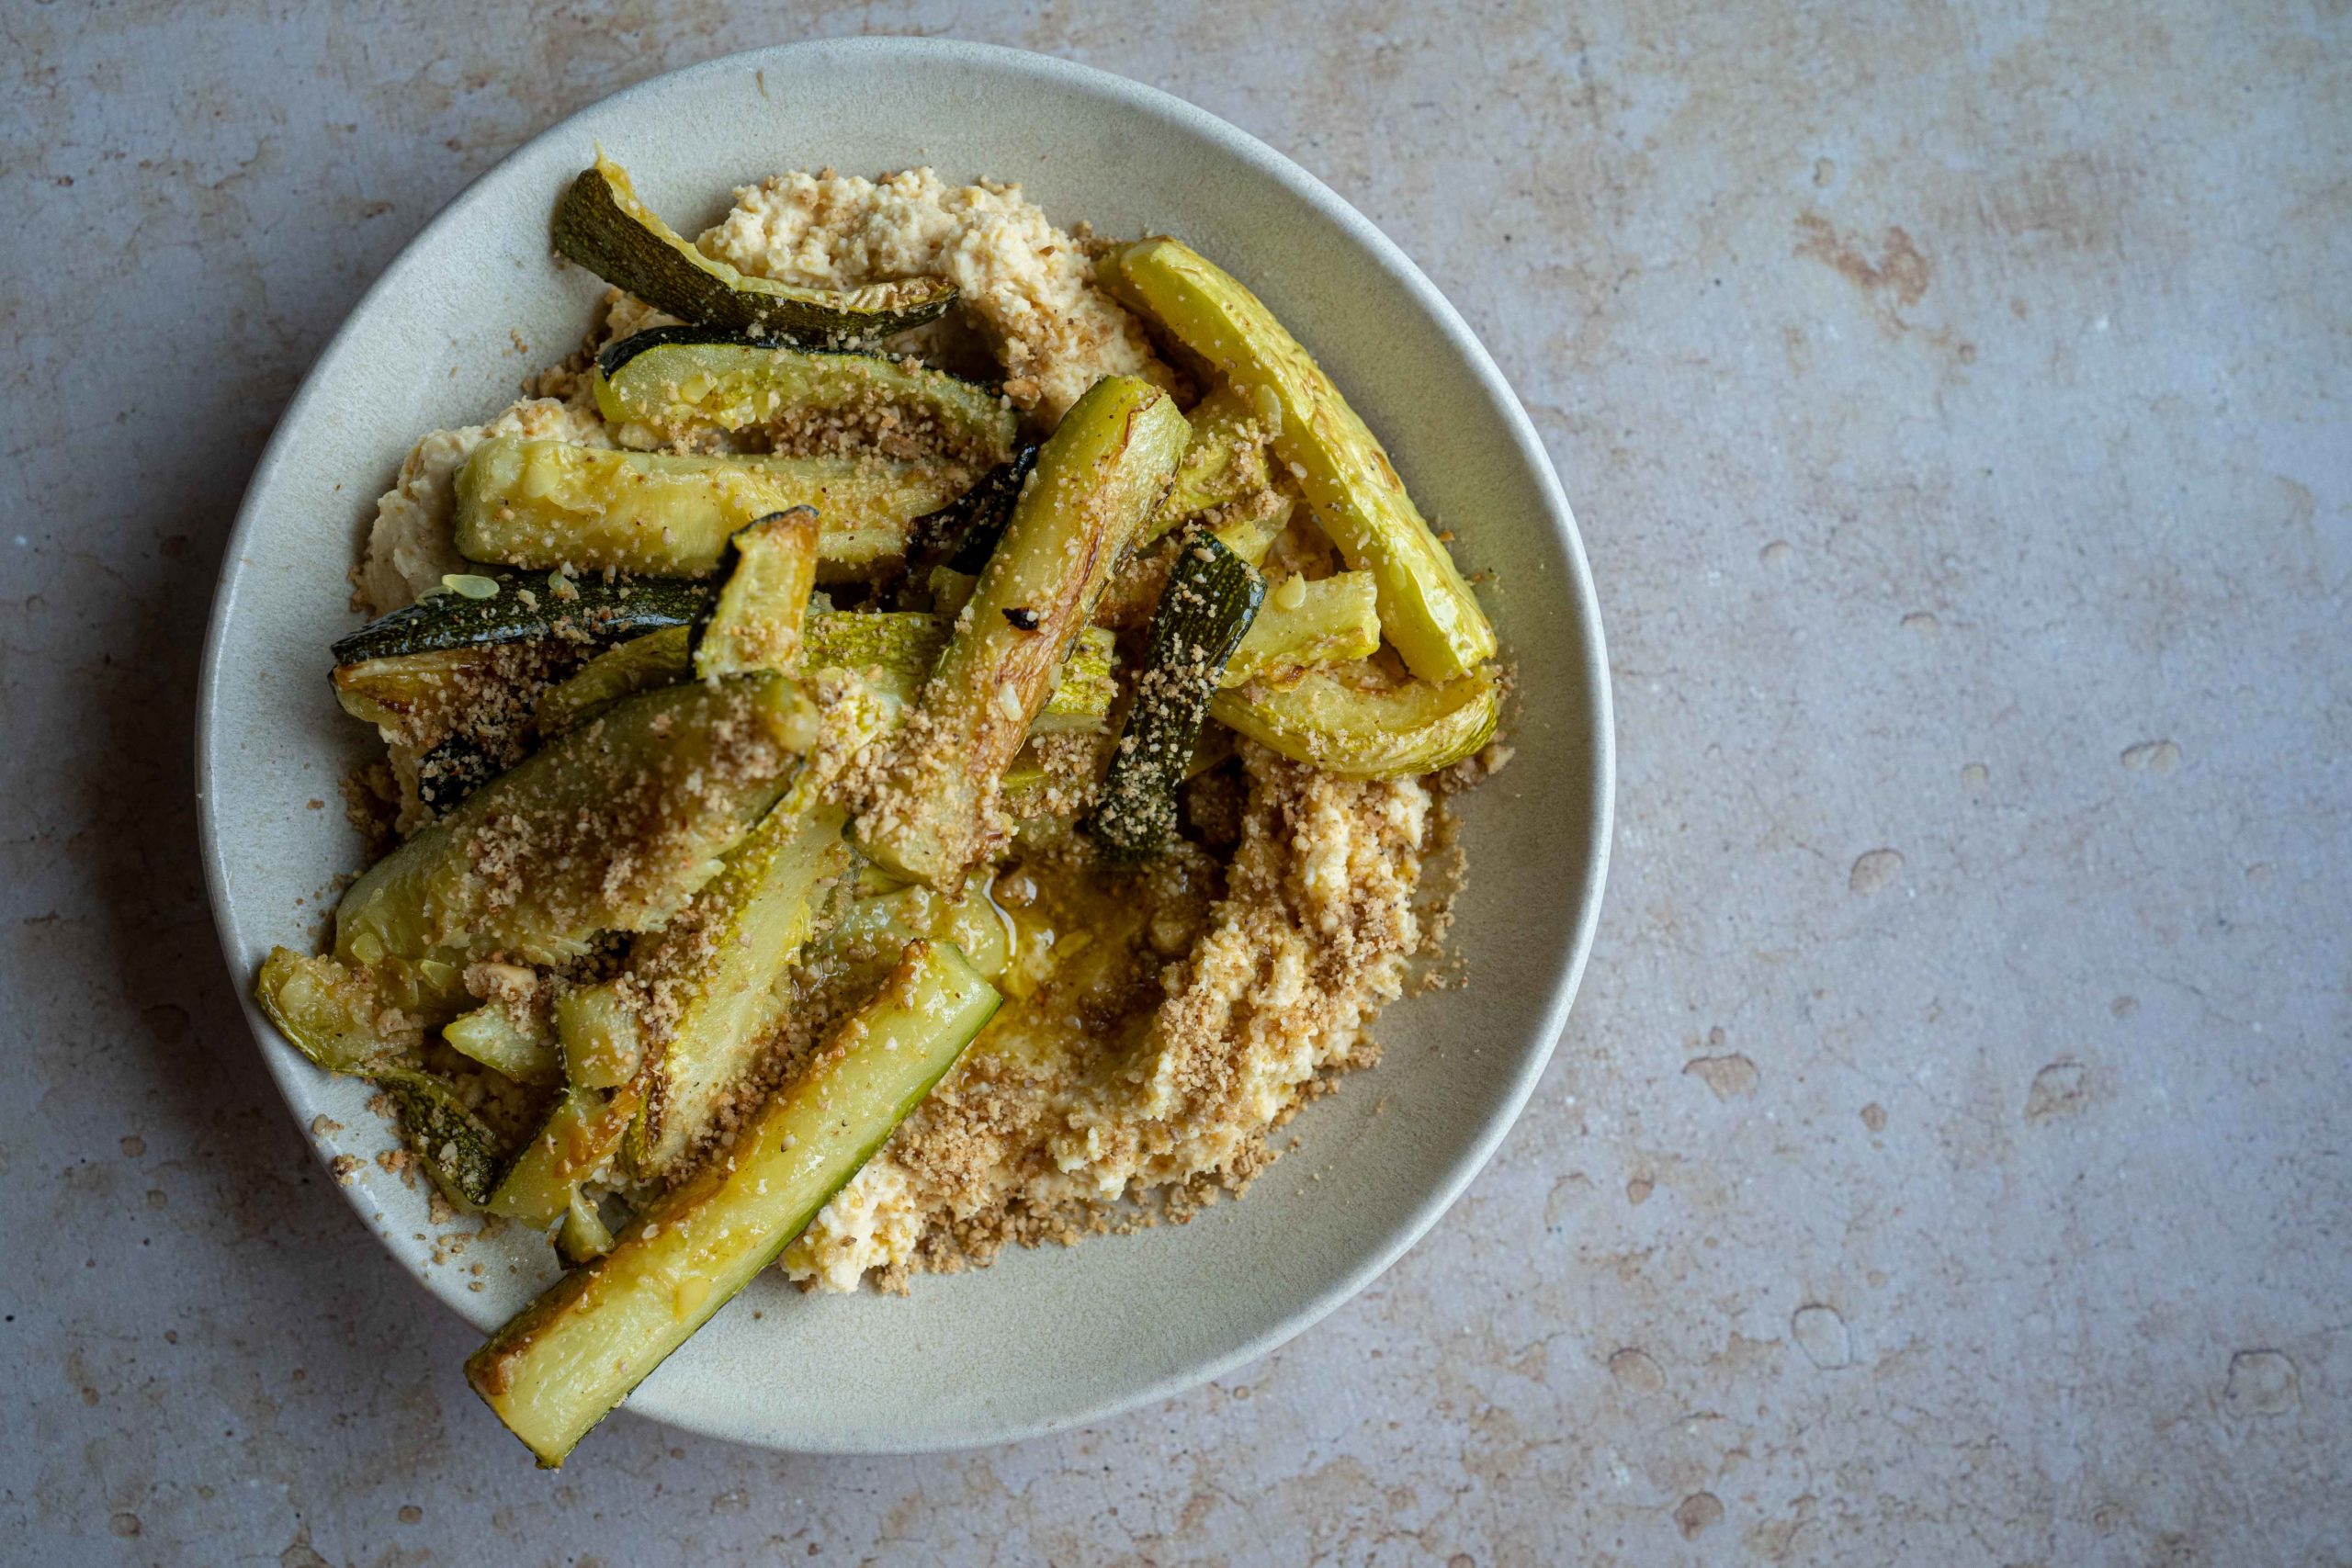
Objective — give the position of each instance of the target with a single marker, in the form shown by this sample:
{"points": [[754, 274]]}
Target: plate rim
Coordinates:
{"points": [[1583, 627]]}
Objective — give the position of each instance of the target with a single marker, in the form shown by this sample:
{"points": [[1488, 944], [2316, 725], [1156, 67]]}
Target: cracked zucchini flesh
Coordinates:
{"points": [[1345, 719], [1210, 600], [552, 504], [611, 827], [601, 224], [1426, 608], [686, 383], [1097, 479], [575, 1353], [756, 623]]}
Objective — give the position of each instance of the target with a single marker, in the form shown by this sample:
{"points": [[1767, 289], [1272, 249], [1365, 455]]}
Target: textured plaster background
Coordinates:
{"points": [[1949, 1159]]}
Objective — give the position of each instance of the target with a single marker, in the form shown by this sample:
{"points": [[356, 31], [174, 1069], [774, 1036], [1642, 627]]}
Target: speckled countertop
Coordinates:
{"points": [[1948, 1160]]}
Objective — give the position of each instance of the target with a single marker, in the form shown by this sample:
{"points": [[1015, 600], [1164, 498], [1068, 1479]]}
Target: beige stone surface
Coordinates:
{"points": [[1948, 1160]]}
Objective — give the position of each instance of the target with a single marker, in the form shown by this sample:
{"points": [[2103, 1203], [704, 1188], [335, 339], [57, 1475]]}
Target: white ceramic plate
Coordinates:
{"points": [[1048, 1339]]}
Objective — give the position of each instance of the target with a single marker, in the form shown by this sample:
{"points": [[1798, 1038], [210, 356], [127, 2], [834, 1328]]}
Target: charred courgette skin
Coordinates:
{"points": [[689, 380], [602, 224], [962, 535], [1211, 598], [528, 606]]}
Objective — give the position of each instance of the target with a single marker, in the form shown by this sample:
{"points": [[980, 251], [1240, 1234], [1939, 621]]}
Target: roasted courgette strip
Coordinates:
{"points": [[335, 1013], [597, 1027], [1426, 608], [641, 664], [899, 649], [525, 606], [1211, 597], [490, 1035], [1304, 626], [770, 570], [601, 224], [1366, 730], [583, 1236], [962, 535], [551, 504], [718, 966], [1224, 461], [581, 1134], [896, 649], [575, 1353], [884, 922], [609, 827], [415, 693], [1100, 475], [684, 382]]}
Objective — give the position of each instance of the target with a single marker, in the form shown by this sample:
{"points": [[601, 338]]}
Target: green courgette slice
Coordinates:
{"points": [[611, 827], [525, 606], [896, 649], [581, 1132], [565, 1361], [491, 1035], [1330, 719], [601, 224], [555, 503], [1099, 478], [1304, 625], [769, 571], [1225, 461], [1211, 598], [717, 971], [684, 382], [641, 664], [1426, 608]]}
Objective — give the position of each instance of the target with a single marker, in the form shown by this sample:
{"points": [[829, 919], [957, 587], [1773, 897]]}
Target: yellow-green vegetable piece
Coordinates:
{"points": [[1426, 608], [546, 504], [1366, 730], [611, 827], [1097, 479], [569, 1358]]}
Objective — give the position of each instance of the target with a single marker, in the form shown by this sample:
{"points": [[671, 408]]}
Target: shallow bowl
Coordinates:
{"points": [[1048, 1339]]}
